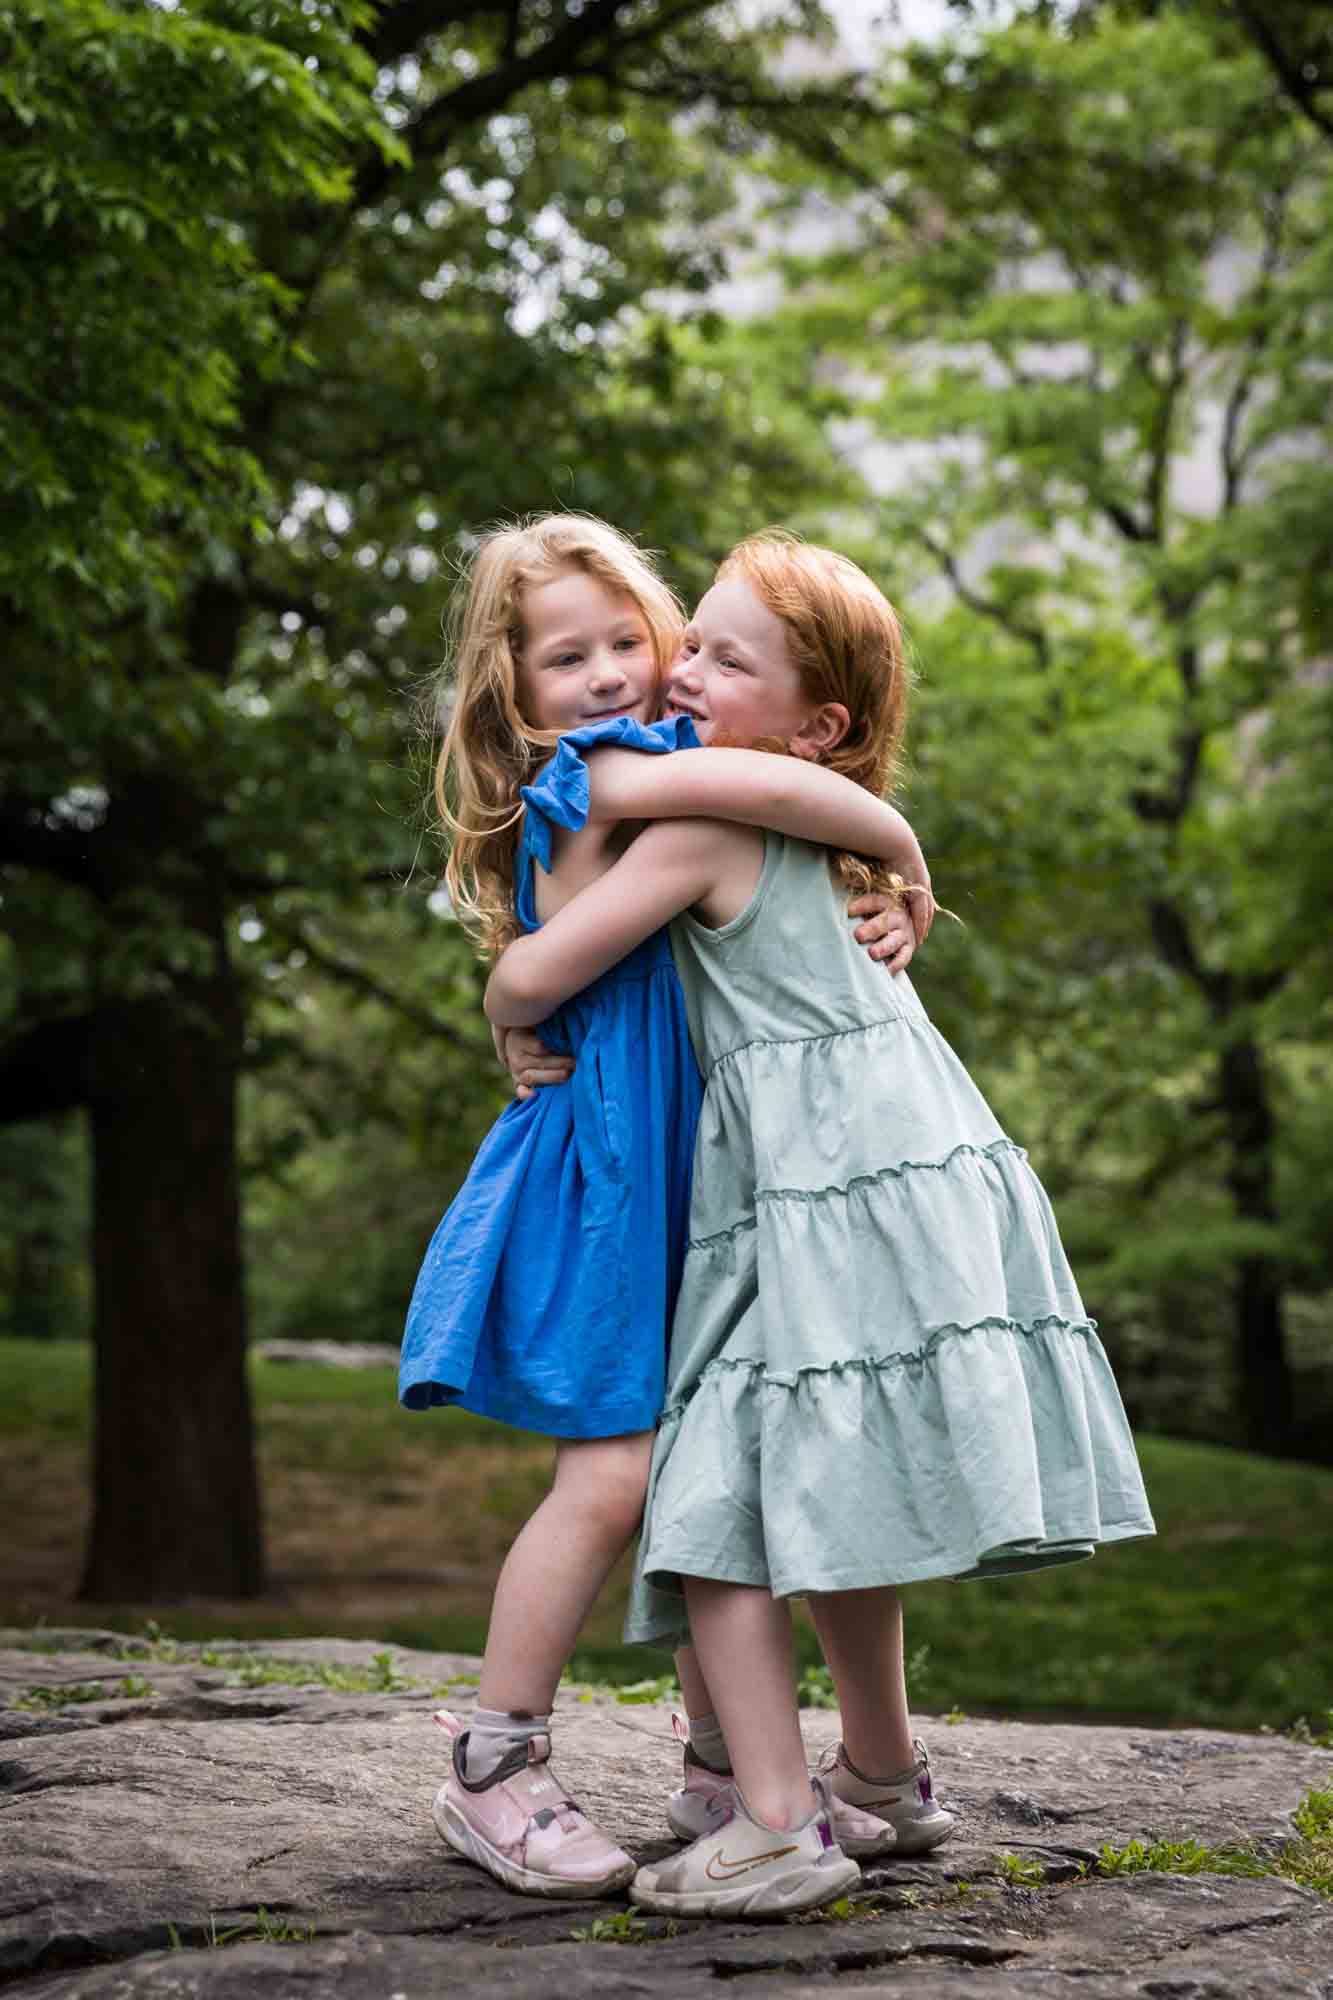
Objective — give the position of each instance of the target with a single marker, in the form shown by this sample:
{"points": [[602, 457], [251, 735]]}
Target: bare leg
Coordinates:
{"points": [[693, 1687], [556, 1567], [861, 1632], [743, 1639]]}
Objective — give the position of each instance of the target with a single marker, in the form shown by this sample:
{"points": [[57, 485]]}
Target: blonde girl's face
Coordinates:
{"points": [[734, 673], [587, 654]]}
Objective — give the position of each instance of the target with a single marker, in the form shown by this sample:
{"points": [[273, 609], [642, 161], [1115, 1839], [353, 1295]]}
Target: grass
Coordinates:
{"points": [[625, 1927], [263, 1928], [1307, 1860], [1180, 1857], [133, 1688], [252, 1670], [388, 1526], [1021, 1871]]}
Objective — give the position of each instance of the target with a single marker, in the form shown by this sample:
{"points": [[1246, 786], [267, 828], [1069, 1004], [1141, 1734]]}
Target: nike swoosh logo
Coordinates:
{"points": [[719, 1869]]}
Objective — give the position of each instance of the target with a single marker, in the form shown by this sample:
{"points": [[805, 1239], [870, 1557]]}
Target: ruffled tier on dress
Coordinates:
{"points": [[882, 1370]]}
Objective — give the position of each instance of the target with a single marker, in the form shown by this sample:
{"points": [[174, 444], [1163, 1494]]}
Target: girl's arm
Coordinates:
{"points": [[788, 794], [666, 870]]}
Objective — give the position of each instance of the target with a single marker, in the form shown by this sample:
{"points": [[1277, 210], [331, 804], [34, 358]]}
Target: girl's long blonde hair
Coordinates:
{"points": [[847, 646], [490, 748]]}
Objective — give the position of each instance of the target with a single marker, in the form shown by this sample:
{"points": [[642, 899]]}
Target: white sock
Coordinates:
{"points": [[709, 1744], [492, 1734]]}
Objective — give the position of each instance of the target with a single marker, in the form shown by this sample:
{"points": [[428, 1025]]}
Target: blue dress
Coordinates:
{"points": [[546, 1295]]}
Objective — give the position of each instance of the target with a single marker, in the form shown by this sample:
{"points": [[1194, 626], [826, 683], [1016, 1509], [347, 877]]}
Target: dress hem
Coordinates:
{"points": [[1026, 1552], [584, 1430], [1054, 1553]]}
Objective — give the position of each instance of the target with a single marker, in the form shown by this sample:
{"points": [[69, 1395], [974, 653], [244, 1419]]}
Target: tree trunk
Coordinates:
{"points": [[176, 1506], [1263, 1378]]}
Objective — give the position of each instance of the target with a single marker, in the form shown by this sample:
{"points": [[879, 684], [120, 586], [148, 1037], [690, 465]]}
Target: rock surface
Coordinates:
{"points": [[150, 1806]]}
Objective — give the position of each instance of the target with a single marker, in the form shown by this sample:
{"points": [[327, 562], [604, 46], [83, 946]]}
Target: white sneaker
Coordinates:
{"points": [[741, 1868], [904, 1800], [857, 1833], [518, 1825]]}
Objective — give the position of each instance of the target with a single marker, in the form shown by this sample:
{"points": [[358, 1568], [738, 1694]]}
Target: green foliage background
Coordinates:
{"points": [[274, 349]]}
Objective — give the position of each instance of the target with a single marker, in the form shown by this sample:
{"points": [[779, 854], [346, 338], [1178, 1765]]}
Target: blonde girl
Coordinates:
{"points": [[546, 1293], [880, 1369]]}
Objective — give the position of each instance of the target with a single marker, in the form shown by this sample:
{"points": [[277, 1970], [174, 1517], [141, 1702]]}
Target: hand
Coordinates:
{"points": [[531, 1064], [920, 897], [889, 932]]}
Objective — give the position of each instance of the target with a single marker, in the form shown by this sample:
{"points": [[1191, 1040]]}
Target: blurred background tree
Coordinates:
{"points": [[297, 297], [295, 294], [1083, 319]]}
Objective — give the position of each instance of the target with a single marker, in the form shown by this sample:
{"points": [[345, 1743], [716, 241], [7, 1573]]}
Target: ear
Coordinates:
{"points": [[821, 731]]}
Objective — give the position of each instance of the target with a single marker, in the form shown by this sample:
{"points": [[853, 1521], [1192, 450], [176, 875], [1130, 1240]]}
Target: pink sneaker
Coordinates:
{"points": [[857, 1833], [905, 1800], [518, 1825]]}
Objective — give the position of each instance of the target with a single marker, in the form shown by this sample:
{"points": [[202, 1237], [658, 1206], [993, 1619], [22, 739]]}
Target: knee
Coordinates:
{"points": [[621, 1508], [607, 1487]]}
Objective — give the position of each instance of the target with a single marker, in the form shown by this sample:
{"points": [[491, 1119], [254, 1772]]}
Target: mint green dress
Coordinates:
{"points": [[881, 1369]]}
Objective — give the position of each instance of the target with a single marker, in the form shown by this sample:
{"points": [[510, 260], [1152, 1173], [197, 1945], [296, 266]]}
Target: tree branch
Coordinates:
{"points": [[400, 28], [1168, 807], [985, 607], [276, 885], [785, 110], [1290, 71], [480, 97], [434, 131], [1159, 458], [1171, 935], [358, 980], [1234, 459], [1121, 517]]}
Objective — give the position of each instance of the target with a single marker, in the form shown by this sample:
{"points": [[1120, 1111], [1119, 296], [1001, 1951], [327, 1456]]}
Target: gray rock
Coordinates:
{"points": [[137, 1828]]}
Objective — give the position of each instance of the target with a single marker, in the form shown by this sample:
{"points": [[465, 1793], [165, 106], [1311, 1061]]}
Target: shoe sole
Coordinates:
{"points": [[687, 1826], [473, 1846], [919, 1839], [786, 1895]]}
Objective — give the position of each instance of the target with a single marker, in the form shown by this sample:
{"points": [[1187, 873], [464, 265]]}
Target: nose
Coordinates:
{"points": [[608, 671], [684, 673]]}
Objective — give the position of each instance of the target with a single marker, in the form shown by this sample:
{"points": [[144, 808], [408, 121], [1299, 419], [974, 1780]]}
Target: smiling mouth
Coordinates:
{"points": [[675, 707], [608, 714]]}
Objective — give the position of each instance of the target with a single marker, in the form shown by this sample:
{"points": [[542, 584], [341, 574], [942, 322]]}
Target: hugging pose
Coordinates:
{"points": [[757, 1256]]}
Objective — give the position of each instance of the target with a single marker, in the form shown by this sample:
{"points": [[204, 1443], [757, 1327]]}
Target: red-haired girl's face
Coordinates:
{"points": [[734, 674]]}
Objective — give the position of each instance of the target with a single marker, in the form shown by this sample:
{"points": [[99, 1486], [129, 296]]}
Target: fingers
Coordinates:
{"points": [[523, 1046], [923, 915], [541, 1079], [895, 954], [882, 924], [889, 938], [893, 931], [532, 1065]]}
